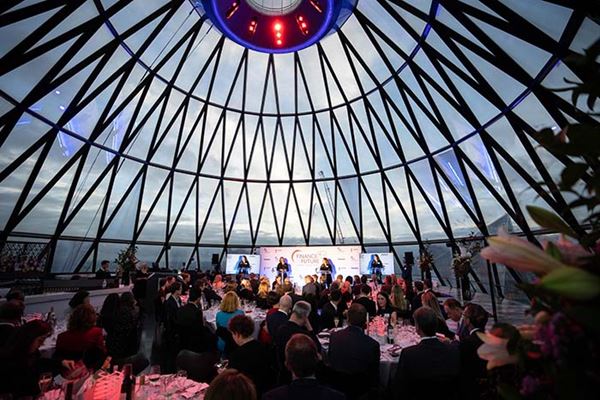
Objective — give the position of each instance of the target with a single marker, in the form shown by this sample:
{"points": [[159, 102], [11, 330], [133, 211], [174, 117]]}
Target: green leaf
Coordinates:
{"points": [[574, 283], [548, 219], [553, 251]]}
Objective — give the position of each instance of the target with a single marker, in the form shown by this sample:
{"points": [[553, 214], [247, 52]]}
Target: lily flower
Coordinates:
{"points": [[494, 351], [519, 254]]}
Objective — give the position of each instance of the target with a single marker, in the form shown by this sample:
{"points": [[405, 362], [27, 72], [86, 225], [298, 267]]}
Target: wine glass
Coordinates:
{"points": [[45, 381], [336, 322]]}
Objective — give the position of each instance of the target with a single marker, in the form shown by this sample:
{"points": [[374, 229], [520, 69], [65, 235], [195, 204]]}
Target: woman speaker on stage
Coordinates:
{"points": [[282, 268], [326, 270]]}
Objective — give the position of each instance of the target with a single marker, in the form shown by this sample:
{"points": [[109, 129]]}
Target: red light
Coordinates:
{"points": [[278, 34], [277, 26], [279, 42], [302, 25], [300, 18], [253, 25], [231, 10]]}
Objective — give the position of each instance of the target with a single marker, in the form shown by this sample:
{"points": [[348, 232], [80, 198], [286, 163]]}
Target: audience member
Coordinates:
{"points": [[309, 286], [418, 292], [108, 313], [473, 368], [262, 295], [288, 289], [245, 290], [429, 300], [15, 296], [430, 369], [193, 335], [21, 363], [353, 352], [278, 318], [229, 308], [383, 304], [331, 311], [301, 359], [231, 385], [298, 323], [11, 314], [364, 299], [124, 341], [218, 282], [80, 297], [82, 340], [250, 357], [454, 312], [399, 304]]}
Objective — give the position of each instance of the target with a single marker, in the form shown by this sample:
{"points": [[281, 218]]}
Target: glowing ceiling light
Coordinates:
{"points": [[317, 5], [231, 10]]}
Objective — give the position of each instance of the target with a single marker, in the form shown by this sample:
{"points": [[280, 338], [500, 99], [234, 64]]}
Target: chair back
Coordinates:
{"points": [[200, 367]]}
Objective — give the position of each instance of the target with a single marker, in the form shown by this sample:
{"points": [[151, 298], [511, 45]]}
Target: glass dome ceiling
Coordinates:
{"points": [[138, 122]]}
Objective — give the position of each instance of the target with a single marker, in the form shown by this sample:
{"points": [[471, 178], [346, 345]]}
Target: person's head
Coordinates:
{"points": [[426, 321], [185, 276], [127, 300], [301, 356], [245, 259], [308, 279], [241, 328], [163, 283], [365, 290], [82, 318], [356, 280], [28, 338], [281, 260], [105, 264], [315, 278], [323, 279], [335, 285], [11, 312], [453, 309], [325, 260], [287, 287], [335, 296], [428, 299], [357, 315], [285, 303], [348, 279], [263, 289], [231, 385], [383, 300], [475, 316], [81, 297], [195, 296], [272, 298], [418, 286], [397, 298], [230, 302], [218, 278], [15, 295], [340, 279], [144, 268], [387, 280], [364, 279], [175, 289], [110, 304], [300, 312]]}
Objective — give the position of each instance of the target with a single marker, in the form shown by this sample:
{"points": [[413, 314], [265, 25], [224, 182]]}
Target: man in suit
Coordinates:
{"points": [[309, 288], [302, 357], [298, 323], [11, 314], [419, 290], [331, 311], [473, 369], [103, 272], [289, 290], [250, 357], [429, 369], [276, 319], [354, 353], [170, 337], [193, 335], [364, 299]]}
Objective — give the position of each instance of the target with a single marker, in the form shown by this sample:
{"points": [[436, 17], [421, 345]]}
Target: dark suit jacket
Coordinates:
{"points": [[252, 359], [283, 335], [368, 304], [309, 288], [171, 307], [193, 335], [328, 315], [102, 274], [295, 297], [275, 320], [428, 370], [472, 368], [353, 352], [416, 301], [303, 389]]}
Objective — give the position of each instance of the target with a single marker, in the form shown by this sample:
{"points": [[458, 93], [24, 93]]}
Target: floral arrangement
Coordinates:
{"points": [[126, 259], [425, 259], [461, 261], [558, 356]]}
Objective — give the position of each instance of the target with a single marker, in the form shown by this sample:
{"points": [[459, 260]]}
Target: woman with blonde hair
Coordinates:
{"points": [[429, 300], [399, 303], [229, 308], [261, 296]]}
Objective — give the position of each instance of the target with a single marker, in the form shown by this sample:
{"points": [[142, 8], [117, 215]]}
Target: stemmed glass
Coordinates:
{"points": [[45, 382]]}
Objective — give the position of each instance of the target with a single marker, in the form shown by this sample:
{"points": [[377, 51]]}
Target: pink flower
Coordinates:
{"points": [[494, 351], [571, 253], [519, 254]]}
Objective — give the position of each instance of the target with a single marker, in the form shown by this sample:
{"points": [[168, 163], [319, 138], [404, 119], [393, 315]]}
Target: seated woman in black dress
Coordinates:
{"points": [[429, 300], [21, 363]]}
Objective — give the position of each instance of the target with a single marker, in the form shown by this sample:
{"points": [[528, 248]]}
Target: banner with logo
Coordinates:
{"points": [[236, 264], [303, 261]]}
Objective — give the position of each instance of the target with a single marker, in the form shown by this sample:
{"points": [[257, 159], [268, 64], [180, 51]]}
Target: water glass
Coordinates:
{"points": [[45, 382]]}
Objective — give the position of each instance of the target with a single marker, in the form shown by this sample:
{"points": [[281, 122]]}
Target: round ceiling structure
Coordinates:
{"points": [[277, 26], [389, 124]]}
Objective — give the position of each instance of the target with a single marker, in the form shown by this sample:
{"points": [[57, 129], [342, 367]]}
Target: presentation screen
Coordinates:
{"points": [[302, 261], [369, 264], [242, 264]]}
